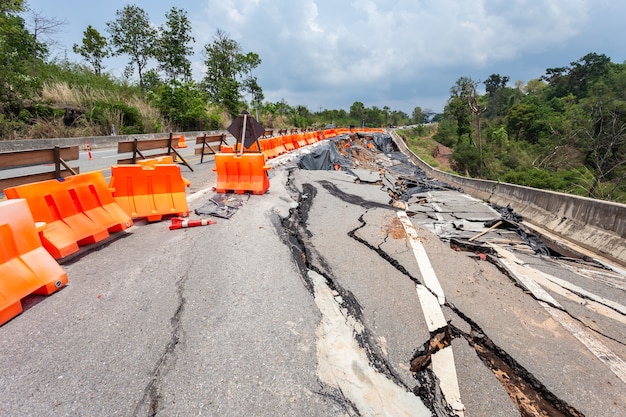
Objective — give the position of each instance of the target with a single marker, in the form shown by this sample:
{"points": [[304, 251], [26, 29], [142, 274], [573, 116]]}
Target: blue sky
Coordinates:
{"points": [[401, 53]]}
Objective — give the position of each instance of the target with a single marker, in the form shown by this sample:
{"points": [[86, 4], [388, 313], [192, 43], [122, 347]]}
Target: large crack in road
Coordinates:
{"points": [[530, 396], [342, 324]]}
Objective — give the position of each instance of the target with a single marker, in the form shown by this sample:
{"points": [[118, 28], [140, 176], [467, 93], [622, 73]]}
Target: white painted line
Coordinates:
{"points": [[426, 269], [598, 307], [443, 366], [580, 291], [433, 314], [524, 275], [443, 360]]}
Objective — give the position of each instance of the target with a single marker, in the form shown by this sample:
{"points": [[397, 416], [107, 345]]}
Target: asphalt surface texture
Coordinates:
{"points": [[305, 301]]}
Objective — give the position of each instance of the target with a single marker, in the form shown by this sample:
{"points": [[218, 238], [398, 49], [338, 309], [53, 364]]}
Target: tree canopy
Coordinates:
{"points": [[94, 49], [565, 130], [229, 72], [132, 34]]}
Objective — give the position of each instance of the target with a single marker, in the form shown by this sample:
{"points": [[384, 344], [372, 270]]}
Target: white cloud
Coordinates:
{"points": [[333, 52]]}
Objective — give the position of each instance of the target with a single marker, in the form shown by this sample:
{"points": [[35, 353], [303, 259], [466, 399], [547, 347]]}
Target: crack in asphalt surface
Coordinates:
{"points": [[530, 396], [296, 236], [152, 397]]}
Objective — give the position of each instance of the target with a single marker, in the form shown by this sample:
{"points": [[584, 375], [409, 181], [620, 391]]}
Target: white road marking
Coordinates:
{"points": [[525, 275], [443, 360], [426, 269]]}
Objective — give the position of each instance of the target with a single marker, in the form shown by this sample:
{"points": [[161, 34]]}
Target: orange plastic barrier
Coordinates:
{"points": [[310, 138], [241, 173], [329, 133], [277, 145], [77, 210], [161, 160], [150, 192], [300, 140], [288, 142], [266, 147], [25, 266]]}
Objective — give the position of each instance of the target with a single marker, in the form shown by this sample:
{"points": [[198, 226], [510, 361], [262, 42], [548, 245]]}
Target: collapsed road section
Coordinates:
{"points": [[437, 209], [358, 288]]}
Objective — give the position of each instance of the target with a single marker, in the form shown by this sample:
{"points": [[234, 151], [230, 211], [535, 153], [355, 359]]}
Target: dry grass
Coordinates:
{"points": [[61, 94], [57, 129]]}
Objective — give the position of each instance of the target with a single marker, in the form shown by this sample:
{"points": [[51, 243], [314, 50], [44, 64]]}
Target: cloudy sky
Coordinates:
{"points": [[398, 53]]}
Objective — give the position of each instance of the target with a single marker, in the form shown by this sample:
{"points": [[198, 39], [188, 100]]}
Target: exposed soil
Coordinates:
{"points": [[443, 154]]}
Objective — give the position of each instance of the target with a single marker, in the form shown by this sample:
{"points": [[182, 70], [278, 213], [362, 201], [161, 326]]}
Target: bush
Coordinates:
{"points": [[466, 158], [128, 119]]}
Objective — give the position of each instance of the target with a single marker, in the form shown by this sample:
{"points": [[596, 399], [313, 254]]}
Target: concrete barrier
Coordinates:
{"points": [[96, 142], [596, 225]]}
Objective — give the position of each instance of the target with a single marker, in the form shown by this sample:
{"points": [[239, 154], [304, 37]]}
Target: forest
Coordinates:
{"points": [[563, 131]]}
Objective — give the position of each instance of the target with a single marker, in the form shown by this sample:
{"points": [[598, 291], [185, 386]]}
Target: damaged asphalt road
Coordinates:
{"points": [[329, 295]]}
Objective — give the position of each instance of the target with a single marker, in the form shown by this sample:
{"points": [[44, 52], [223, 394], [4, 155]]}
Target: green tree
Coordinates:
{"points": [[131, 34], [228, 72], [495, 86], [94, 49], [184, 104], [458, 107], [357, 112], [173, 46], [300, 116], [17, 53], [386, 113], [418, 115]]}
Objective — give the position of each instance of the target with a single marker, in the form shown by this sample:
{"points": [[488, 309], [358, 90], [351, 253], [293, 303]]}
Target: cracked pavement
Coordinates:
{"points": [[304, 303]]}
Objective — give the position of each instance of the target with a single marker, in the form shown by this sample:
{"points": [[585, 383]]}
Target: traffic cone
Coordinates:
{"points": [[180, 223], [181, 142], [89, 151]]}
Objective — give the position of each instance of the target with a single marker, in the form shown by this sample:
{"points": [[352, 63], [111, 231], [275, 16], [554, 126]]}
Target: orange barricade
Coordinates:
{"points": [[267, 149], [301, 140], [161, 160], [309, 137], [288, 142], [227, 148], [150, 192], [329, 133], [241, 173], [25, 266], [277, 143], [77, 210]]}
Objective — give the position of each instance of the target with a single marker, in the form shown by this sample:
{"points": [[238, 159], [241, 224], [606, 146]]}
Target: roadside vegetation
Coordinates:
{"points": [[563, 131], [42, 97]]}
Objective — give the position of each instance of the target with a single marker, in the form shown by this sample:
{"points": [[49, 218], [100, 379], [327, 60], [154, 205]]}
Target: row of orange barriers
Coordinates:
{"points": [[75, 211], [278, 145], [43, 222], [242, 171]]}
